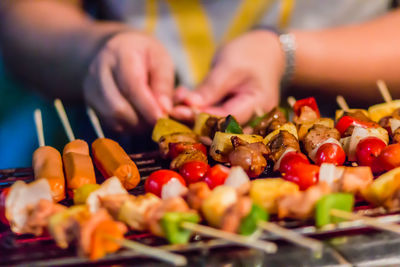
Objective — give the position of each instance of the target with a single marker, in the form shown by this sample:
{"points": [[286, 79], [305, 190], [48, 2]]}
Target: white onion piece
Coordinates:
{"points": [[237, 177], [278, 162], [111, 186], [330, 173], [394, 124], [24, 195], [174, 188], [330, 140], [360, 133]]}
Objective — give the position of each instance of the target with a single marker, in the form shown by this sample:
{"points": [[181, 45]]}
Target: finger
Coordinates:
{"points": [[241, 106], [183, 113], [162, 77], [215, 87], [132, 78], [102, 94], [180, 94]]}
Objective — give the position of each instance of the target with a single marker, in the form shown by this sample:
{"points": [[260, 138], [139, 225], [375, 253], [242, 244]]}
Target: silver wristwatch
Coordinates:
{"points": [[288, 44]]}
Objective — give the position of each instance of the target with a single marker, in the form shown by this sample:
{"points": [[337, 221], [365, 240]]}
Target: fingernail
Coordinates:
{"points": [[165, 103]]}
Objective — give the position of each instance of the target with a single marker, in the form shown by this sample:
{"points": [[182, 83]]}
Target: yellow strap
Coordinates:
{"points": [[151, 16], [247, 15], [286, 11], [196, 34]]}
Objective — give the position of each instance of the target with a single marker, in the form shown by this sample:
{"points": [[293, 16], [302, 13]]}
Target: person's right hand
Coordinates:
{"points": [[130, 81]]}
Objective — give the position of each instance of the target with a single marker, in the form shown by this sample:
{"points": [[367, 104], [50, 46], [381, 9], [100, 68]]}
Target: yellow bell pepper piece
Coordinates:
{"points": [[167, 126], [290, 127], [377, 112]]}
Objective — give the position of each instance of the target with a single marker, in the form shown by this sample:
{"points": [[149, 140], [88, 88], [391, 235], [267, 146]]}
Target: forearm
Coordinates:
{"points": [[49, 44], [349, 60]]}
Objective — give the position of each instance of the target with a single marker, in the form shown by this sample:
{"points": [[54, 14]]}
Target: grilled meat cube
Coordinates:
{"points": [[396, 114], [280, 142], [248, 156], [113, 203], [271, 122], [317, 134], [175, 138], [307, 114], [188, 155], [233, 215], [396, 136], [197, 192]]}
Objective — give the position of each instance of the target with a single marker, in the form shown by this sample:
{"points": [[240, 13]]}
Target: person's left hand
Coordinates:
{"points": [[245, 77]]}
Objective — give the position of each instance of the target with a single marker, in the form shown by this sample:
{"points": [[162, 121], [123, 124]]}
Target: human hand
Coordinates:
{"points": [[130, 81], [245, 77]]}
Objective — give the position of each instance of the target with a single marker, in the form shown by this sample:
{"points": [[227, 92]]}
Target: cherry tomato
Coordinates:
{"points": [[304, 175], [330, 153], [159, 178], [216, 176], [310, 102], [290, 159], [368, 149], [194, 171], [390, 157], [3, 196], [177, 148]]}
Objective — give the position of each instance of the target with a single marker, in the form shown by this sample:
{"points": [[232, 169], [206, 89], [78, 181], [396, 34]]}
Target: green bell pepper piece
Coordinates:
{"points": [[339, 201], [248, 225], [255, 121], [171, 222], [231, 125]]}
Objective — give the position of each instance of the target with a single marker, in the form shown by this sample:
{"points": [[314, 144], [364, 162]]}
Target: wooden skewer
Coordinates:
{"points": [[366, 220], [291, 101], [383, 89], [64, 119], [342, 103], [292, 236], [153, 252], [265, 246], [39, 126], [95, 122]]}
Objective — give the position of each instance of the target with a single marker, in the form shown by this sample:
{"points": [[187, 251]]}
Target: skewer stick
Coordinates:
{"points": [[153, 252], [265, 246], [291, 101], [366, 220], [95, 122], [342, 103], [37, 115], [292, 236], [383, 89], [64, 119]]}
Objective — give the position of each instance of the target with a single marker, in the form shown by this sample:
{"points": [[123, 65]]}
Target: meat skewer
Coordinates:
{"points": [[110, 158], [47, 163], [78, 164]]}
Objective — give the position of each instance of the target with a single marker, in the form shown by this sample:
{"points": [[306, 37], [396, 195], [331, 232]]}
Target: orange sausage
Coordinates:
{"points": [[47, 164], [111, 159], [78, 165]]}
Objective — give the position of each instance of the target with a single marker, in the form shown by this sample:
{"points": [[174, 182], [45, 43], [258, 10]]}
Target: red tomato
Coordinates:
{"points": [[177, 148], [304, 175], [216, 176], [330, 153], [3, 196], [368, 149], [310, 102], [390, 157], [290, 159], [159, 178], [194, 171]]}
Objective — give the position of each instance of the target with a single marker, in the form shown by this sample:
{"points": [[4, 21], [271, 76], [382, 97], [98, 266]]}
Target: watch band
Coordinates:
{"points": [[288, 45]]}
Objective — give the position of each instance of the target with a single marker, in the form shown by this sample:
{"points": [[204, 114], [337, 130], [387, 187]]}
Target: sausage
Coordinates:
{"points": [[47, 164], [78, 165], [111, 159]]}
